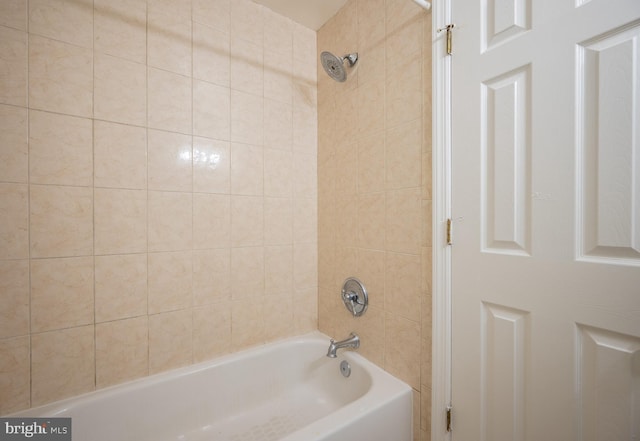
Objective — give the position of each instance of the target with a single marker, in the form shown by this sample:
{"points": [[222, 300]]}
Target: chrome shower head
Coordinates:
{"points": [[334, 66]]}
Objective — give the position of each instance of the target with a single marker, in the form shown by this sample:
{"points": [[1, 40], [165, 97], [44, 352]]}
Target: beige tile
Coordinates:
{"points": [[305, 175], [14, 149], [247, 273], [169, 101], [247, 21], [305, 311], [416, 415], [170, 163], [278, 35], [371, 221], [170, 221], [247, 221], [305, 220], [247, 165], [425, 413], [371, 21], [120, 155], [247, 323], [211, 166], [211, 114], [371, 163], [304, 44], [120, 221], [403, 45], [170, 340], [60, 149], [170, 281], [346, 121], [211, 331], [211, 221], [120, 286], [177, 8], [68, 350], [278, 173], [214, 13], [60, 77], [305, 119], [247, 114], [211, 276], [403, 94], [13, 13], [13, 52], [346, 178], [371, 107], [70, 21], [278, 76], [14, 296], [15, 375], [347, 227], [61, 293], [403, 156], [120, 28], [402, 287], [14, 221], [278, 316], [426, 355], [400, 14], [120, 90], [278, 221], [169, 41], [61, 221], [211, 55], [247, 71], [346, 265], [122, 351], [403, 232], [371, 271], [401, 357], [278, 270], [278, 125], [305, 265]]}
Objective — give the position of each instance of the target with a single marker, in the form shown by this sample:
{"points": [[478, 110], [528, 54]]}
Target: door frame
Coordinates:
{"points": [[441, 182]]}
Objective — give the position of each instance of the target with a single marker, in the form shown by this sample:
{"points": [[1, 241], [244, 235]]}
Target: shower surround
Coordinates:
{"points": [[374, 188], [157, 188]]}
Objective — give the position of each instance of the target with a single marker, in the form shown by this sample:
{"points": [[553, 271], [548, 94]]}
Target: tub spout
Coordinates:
{"points": [[352, 342]]}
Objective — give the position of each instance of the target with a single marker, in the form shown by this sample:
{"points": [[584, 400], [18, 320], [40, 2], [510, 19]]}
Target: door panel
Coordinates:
{"points": [[546, 209]]}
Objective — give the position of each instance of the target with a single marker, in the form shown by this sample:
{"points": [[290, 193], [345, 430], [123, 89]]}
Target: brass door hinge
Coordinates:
{"points": [[449, 232], [449, 29], [449, 408]]}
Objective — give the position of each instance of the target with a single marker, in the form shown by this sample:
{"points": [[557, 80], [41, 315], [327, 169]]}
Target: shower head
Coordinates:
{"points": [[334, 66]]}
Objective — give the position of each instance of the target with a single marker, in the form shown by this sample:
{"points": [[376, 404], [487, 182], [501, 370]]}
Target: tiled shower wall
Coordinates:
{"points": [[157, 188], [374, 188]]}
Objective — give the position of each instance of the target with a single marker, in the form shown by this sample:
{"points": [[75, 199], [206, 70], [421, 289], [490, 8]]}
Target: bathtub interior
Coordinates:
{"points": [[264, 394]]}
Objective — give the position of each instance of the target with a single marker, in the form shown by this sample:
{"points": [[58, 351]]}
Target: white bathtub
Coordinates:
{"points": [[286, 391]]}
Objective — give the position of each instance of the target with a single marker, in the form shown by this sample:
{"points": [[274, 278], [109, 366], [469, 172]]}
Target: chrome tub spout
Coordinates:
{"points": [[352, 342]]}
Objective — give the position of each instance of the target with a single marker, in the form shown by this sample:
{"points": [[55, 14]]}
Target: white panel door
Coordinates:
{"points": [[546, 210]]}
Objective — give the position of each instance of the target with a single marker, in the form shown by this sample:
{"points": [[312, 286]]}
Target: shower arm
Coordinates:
{"points": [[351, 58]]}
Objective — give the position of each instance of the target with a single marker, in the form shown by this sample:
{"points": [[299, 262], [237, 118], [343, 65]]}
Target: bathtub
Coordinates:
{"points": [[287, 391]]}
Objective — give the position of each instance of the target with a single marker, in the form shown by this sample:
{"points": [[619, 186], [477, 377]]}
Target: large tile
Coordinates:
{"points": [[278, 270], [170, 281], [15, 375], [211, 276], [61, 221], [278, 76], [401, 349], [69, 351], [403, 221], [169, 101], [213, 13], [247, 71], [60, 77], [305, 265], [211, 55], [60, 149], [371, 163], [402, 286], [169, 41], [305, 175], [371, 221], [278, 35], [170, 163], [211, 166], [247, 272], [120, 28], [371, 271], [61, 293], [211, 331], [13, 13], [170, 217], [278, 125], [247, 21], [278, 316], [170, 340], [278, 221], [70, 21], [247, 170], [122, 351], [120, 90], [211, 110], [120, 286], [14, 221], [14, 148], [120, 221], [403, 156], [14, 296], [247, 118], [278, 173], [13, 52], [305, 220], [211, 221], [247, 221], [247, 323], [120, 155], [371, 116]]}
